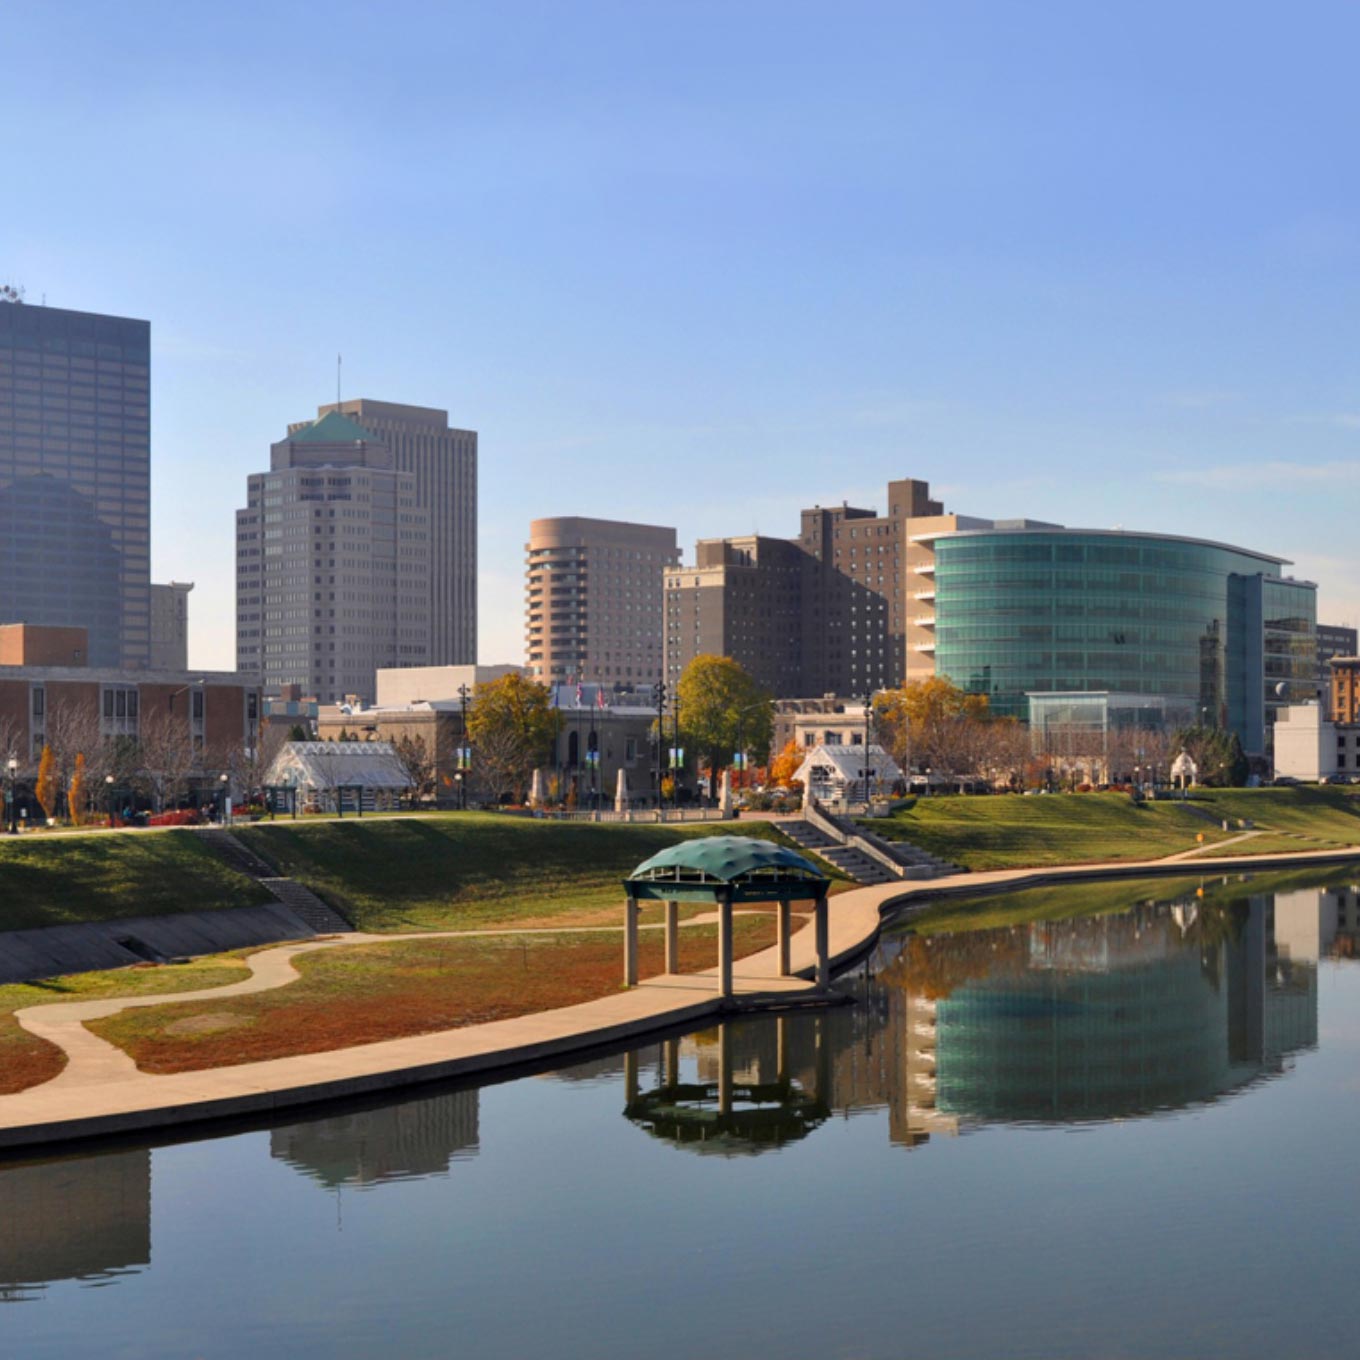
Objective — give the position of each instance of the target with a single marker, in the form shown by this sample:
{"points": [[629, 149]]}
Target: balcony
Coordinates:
{"points": [[927, 647], [924, 620], [924, 595]]}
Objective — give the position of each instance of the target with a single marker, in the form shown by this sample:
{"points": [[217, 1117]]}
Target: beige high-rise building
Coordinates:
{"points": [[170, 625], [594, 599], [443, 462]]}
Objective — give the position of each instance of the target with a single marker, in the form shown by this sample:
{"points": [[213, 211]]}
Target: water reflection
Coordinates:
{"points": [[1167, 1004], [393, 1143], [79, 1218], [1177, 1000]]}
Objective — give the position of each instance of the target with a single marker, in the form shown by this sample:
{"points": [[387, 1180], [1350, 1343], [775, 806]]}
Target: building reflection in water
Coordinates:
{"points": [[79, 1218], [1165, 1005], [392, 1143]]}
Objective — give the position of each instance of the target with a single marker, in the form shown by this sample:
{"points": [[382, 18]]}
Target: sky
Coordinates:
{"points": [[703, 264]]}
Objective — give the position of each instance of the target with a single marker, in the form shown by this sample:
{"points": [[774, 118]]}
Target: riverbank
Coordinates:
{"points": [[101, 1093]]}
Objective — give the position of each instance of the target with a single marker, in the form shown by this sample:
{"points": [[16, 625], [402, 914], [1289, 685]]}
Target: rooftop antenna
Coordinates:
{"points": [[338, 361]]}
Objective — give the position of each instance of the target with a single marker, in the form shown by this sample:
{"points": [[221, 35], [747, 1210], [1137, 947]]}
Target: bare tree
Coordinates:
{"points": [[167, 756], [419, 762]]}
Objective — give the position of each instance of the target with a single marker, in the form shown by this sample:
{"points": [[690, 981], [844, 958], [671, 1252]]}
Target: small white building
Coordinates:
{"points": [[835, 774], [1310, 747], [341, 776]]}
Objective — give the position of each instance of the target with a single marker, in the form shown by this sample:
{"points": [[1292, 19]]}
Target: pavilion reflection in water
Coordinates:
{"points": [[1169, 1004]]}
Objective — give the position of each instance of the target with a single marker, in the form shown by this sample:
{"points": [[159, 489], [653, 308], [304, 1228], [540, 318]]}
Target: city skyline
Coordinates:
{"points": [[1025, 259]]}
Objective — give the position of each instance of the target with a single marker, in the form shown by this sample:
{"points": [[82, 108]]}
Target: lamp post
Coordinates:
{"points": [[12, 765], [465, 751], [660, 737], [868, 717], [222, 781], [108, 796]]}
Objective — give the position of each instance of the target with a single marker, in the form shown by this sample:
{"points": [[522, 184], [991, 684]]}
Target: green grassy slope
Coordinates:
{"points": [[468, 870], [49, 881], [1010, 831]]}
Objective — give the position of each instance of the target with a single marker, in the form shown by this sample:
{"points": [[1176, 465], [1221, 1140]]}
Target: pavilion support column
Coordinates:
{"points": [[630, 1076], [672, 1062], [672, 937], [823, 943], [781, 1049], [724, 1069], [725, 943], [630, 942], [785, 922]]}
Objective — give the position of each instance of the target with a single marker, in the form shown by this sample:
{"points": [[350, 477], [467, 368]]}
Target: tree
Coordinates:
{"points": [[47, 787], [419, 763], [75, 796], [511, 726], [298, 733], [1217, 753], [167, 757], [786, 763], [932, 724], [722, 708]]}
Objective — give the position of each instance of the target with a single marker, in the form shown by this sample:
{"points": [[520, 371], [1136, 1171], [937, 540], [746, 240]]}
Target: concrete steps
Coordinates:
{"points": [[848, 860], [317, 914]]}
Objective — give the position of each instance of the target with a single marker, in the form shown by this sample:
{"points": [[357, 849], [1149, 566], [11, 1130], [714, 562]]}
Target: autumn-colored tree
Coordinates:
{"points": [[932, 724], [46, 789], [75, 795], [722, 709], [512, 726], [784, 765]]}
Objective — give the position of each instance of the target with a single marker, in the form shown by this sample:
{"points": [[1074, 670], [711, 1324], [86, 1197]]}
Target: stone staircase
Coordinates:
{"points": [[314, 913], [847, 859]]}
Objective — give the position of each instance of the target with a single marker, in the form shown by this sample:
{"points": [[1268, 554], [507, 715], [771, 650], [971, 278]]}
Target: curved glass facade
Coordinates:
{"points": [[1081, 610]]}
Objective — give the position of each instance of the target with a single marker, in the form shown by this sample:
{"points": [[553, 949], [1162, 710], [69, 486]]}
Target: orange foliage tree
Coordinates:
{"points": [[46, 790], [75, 795]]}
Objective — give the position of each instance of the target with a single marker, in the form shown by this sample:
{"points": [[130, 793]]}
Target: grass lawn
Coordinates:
{"points": [[373, 992], [1008, 831], [466, 871], [57, 880], [26, 1060]]}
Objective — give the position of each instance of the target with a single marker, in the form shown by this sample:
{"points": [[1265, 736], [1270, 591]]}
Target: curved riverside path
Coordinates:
{"points": [[102, 1093]]}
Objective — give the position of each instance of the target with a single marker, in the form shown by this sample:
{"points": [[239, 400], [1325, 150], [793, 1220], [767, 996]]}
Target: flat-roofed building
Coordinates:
{"points": [[1344, 705], [170, 625], [75, 476], [594, 592]]}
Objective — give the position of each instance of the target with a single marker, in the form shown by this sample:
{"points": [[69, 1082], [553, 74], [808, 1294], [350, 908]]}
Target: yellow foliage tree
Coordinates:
{"points": [[785, 763], [46, 790], [75, 795]]}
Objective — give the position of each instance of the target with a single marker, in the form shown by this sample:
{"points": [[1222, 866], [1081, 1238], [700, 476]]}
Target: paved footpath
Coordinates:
{"points": [[102, 1093]]}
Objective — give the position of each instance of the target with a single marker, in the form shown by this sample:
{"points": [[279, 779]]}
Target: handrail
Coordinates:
{"points": [[830, 825]]}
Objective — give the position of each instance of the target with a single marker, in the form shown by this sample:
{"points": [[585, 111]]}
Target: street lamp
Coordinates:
{"points": [[458, 777], [222, 782], [108, 796], [12, 765], [868, 717]]}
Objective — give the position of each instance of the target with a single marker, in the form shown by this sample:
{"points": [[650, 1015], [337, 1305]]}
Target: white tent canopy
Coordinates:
{"points": [[836, 773], [331, 775]]}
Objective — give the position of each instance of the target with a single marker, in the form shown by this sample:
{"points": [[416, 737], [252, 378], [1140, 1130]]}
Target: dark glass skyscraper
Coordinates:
{"points": [[75, 477]]}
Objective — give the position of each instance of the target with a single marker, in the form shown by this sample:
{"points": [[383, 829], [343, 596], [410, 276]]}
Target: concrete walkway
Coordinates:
{"points": [[102, 1093]]}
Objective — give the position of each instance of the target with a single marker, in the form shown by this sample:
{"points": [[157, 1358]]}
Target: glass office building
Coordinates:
{"points": [[1073, 610], [75, 477]]}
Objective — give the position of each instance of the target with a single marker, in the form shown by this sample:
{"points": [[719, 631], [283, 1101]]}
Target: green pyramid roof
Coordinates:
{"points": [[333, 428]]}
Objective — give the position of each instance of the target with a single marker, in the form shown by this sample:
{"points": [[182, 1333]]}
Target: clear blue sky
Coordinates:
{"points": [[704, 263]]}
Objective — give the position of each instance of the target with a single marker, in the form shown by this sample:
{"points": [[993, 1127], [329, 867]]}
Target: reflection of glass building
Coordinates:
{"points": [[75, 477], [1048, 610], [392, 1142], [81, 1218]]}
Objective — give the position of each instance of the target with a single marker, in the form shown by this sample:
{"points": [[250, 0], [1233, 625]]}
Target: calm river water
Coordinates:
{"points": [[1112, 1120]]}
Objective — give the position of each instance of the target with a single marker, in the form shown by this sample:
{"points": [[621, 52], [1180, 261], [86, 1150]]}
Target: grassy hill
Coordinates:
{"points": [[57, 880], [1010, 831], [469, 870]]}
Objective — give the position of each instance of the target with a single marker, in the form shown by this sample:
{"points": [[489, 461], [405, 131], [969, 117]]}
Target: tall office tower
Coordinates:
{"points": [[594, 590], [1333, 640], [444, 463], [75, 477], [332, 564]]}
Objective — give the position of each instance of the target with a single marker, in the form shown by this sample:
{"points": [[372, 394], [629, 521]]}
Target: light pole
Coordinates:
{"points": [[458, 778], [660, 737], [465, 752], [12, 765], [222, 782], [108, 796], [868, 717]]}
